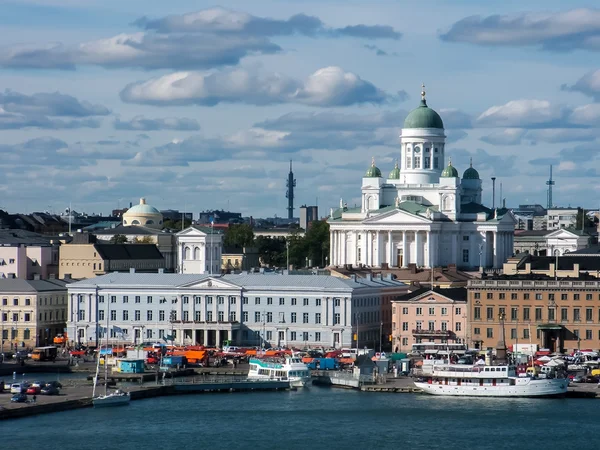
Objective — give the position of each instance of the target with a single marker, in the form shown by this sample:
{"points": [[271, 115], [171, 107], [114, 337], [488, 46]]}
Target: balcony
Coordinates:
{"points": [[433, 333]]}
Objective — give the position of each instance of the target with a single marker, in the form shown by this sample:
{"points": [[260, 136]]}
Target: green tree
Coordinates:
{"points": [[582, 216], [271, 250], [240, 235], [176, 224], [317, 242], [119, 239]]}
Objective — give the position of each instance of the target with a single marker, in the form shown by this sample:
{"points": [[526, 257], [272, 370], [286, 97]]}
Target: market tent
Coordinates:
{"points": [[544, 358]]}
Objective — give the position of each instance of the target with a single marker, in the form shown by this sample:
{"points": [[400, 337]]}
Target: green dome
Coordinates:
{"points": [[395, 173], [373, 171], [470, 173], [450, 171], [423, 116]]}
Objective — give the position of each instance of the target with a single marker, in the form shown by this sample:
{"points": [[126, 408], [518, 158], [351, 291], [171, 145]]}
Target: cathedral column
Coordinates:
{"points": [[495, 253], [418, 249], [405, 252], [344, 245], [378, 257], [390, 250], [429, 250], [483, 250], [331, 248], [454, 247], [369, 252], [363, 252]]}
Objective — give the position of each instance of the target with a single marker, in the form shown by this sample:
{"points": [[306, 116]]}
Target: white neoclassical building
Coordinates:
{"points": [[199, 250], [423, 213]]}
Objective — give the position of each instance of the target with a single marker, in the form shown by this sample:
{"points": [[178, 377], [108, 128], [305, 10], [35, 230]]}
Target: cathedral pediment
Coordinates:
{"points": [[397, 216]]}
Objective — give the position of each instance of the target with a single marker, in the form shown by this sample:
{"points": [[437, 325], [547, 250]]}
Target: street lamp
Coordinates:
{"points": [[287, 248], [380, 336]]}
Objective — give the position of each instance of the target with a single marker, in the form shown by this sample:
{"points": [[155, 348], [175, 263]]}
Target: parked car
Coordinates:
{"points": [[56, 384], [33, 390], [578, 379], [17, 388], [49, 390], [19, 398], [39, 384]]}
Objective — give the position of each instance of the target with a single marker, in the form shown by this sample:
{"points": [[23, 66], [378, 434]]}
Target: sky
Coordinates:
{"points": [[199, 105]]}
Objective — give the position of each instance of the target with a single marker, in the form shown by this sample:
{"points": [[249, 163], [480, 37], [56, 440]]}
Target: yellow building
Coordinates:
{"points": [[32, 312]]}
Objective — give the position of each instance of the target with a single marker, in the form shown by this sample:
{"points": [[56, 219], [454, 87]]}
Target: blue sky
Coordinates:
{"points": [[199, 105]]}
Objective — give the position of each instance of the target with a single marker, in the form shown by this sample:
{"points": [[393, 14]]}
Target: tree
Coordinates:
{"points": [[119, 239], [581, 216], [240, 235], [272, 251], [317, 242], [176, 224], [143, 240]]}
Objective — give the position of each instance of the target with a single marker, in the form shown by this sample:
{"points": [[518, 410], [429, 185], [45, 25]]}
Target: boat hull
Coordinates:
{"points": [[535, 388], [111, 400]]}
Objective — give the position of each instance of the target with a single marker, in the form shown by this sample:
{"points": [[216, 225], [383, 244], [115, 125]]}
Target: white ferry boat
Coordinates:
{"points": [[486, 381], [290, 369]]}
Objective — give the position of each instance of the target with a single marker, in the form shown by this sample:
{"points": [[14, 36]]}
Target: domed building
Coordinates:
{"points": [[423, 213], [144, 215]]}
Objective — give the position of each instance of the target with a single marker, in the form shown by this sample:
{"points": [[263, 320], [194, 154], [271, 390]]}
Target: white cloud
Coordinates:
{"points": [[522, 113], [508, 136], [589, 85], [586, 115], [224, 21], [141, 123], [329, 86], [558, 31]]}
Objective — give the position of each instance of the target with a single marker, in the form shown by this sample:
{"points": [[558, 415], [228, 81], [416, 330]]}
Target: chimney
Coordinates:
{"points": [[67, 276], [52, 276], [353, 277], [132, 270], [36, 276], [412, 267], [493, 192], [451, 267], [161, 270]]}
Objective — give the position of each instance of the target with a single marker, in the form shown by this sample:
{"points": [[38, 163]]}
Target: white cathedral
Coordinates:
{"points": [[423, 213]]}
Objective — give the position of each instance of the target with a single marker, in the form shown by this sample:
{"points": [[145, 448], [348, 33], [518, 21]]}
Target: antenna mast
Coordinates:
{"points": [[550, 183]]}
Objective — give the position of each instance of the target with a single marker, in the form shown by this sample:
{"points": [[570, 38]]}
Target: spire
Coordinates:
{"points": [[396, 165], [372, 161], [290, 165], [423, 100], [450, 161], [471, 161]]}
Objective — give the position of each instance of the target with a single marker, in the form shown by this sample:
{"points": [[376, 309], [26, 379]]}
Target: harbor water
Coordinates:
{"points": [[314, 418]]}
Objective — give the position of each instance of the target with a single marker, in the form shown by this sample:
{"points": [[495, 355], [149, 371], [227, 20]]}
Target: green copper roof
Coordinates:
{"points": [[373, 171], [395, 173], [423, 116], [470, 173], [450, 171]]}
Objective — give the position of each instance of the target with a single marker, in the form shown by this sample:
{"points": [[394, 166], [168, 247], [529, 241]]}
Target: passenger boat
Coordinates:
{"points": [[481, 380], [289, 368]]}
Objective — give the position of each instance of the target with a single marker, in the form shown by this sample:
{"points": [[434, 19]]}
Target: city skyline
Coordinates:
{"points": [[198, 106]]}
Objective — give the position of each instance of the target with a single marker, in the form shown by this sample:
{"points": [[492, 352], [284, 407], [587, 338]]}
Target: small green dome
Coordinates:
{"points": [[470, 173], [373, 171], [450, 171], [395, 173], [423, 116]]}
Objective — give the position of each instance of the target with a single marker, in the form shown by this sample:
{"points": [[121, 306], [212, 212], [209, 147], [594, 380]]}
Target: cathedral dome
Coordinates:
{"points": [[423, 116], [373, 171], [450, 171], [144, 215], [470, 173], [395, 173]]}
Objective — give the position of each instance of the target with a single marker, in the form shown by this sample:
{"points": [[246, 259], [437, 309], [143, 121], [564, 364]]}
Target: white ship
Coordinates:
{"points": [[479, 380], [290, 369]]}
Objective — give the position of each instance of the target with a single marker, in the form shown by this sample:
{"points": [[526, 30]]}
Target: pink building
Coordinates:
{"points": [[25, 261], [429, 316]]}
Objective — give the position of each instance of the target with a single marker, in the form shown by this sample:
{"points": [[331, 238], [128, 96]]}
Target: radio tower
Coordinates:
{"points": [[291, 184], [550, 183]]}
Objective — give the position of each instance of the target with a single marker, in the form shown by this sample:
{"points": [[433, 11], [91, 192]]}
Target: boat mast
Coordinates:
{"points": [[106, 355]]}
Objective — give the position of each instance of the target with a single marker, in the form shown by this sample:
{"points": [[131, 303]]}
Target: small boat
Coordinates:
{"points": [[480, 380], [288, 368], [116, 398]]}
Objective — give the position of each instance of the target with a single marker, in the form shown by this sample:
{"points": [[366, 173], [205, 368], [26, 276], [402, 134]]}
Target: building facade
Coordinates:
{"points": [[423, 213], [561, 218], [199, 250], [561, 316], [308, 214], [32, 312], [256, 309], [426, 315]]}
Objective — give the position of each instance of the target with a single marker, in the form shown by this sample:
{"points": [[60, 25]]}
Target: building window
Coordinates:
{"points": [[305, 318], [256, 317], [589, 314], [113, 315], [419, 311], [245, 316], [576, 333], [125, 299], [538, 296], [305, 335], [408, 162], [404, 310], [221, 316], [125, 315], [490, 313], [149, 315], [513, 296], [186, 300], [292, 336], [501, 296], [490, 332], [513, 333], [564, 314], [336, 318], [444, 311], [431, 325], [526, 296], [209, 300], [318, 336], [514, 313], [588, 334], [432, 311], [477, 295], [476, 330], [269, 335], [161, 316], [336, 302], [404, 326], [444, 326], [138, 299], [551, 314], [137, 314], [525, 333], [404, 341], [269, 300], [269, 317], [101, 315], [538, 314], [244, 300], [113, 299], [465, 238], [232, 316], [576, 315], [281, 300], [305, 302], [457, 326], [28, 317], [318, 302], [427, 162], [465, 253], [477, 313], [419, 325], [81, 315], [575, 296], [457, 311], [293, 317], [417, 161], [563, 296], [489, 296], [220, 300]]}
